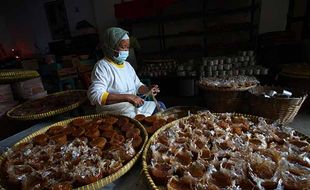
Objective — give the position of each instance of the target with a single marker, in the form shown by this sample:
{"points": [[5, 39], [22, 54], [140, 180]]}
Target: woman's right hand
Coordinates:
{"points": [[155, 89], [135, 100]]}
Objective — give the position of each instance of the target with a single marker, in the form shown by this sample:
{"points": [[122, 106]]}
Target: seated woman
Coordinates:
{"points": [[115, 85]]}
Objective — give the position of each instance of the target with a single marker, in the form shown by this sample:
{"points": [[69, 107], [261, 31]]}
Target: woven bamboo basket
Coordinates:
{"points": [[61, 110], [225, 99], [7, 76], [106, 180], [146, 153], [275, 108]]}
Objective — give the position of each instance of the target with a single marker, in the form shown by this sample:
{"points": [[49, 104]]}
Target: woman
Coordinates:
{"points": [[115, 84]]}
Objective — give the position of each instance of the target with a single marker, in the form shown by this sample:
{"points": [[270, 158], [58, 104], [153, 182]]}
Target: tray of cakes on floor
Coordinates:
{"points": [[226, 151], [50, 105], [87, 152], [154, 122]]}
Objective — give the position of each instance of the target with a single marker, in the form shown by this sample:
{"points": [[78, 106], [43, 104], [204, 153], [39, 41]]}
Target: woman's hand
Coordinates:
{"points": [[135, 100], [155, 89]]}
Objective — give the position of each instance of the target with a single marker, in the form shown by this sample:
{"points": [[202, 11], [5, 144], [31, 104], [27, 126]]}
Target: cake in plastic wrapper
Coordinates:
{"points": [[233, 82]]}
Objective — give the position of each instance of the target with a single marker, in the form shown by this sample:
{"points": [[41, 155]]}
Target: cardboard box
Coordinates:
{"points": [[66, 71], [28, 88]]}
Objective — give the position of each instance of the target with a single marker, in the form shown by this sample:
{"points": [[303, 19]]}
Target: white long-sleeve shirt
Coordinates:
{"points": [[108, 77]]}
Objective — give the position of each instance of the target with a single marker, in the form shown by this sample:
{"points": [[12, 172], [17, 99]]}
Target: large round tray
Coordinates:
{"points": [[106, 180], [145, 155], [7, 76], [60, 110]]}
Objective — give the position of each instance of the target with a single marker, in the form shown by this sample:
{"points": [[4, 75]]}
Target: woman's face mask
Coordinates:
{"points": [[122, 55]]}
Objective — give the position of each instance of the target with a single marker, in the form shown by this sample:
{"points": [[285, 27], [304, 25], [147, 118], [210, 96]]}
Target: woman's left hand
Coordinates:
{"points": [[135, 100]]}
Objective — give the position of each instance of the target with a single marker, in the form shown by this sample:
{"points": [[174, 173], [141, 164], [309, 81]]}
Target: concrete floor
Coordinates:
{"points": [[302, 123]]}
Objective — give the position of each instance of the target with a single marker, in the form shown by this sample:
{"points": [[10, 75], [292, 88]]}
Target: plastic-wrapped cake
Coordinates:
{"points": [[226, 151], [65, 157], [235, 82]]}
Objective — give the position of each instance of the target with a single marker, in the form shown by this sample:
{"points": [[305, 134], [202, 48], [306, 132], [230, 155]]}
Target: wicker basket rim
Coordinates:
{"points": [[101, 182], [49, 113], [303, 95], [17, 72], [17, 75], [297, 100], [215, 88]]}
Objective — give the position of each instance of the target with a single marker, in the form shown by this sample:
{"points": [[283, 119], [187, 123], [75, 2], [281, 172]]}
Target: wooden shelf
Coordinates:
{"points": [[173, 35], [189, 15], [211, 30], [231, 11], [210, 47], [204, 14]]}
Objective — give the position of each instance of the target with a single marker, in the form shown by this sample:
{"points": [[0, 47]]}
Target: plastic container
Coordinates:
{"points": [[241, 58], [228, 60], [27, 89], [264, 71], [249, 72], [220, 67], [250, 53], [257, 71], [227, 66], [242, 72], [215, 73]]}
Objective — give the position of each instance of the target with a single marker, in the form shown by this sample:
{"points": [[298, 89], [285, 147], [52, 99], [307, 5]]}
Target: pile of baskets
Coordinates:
{"points": [[224, 100]]}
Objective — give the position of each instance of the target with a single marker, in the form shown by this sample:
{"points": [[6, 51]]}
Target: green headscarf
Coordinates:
{"points": [[111, 38]]}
